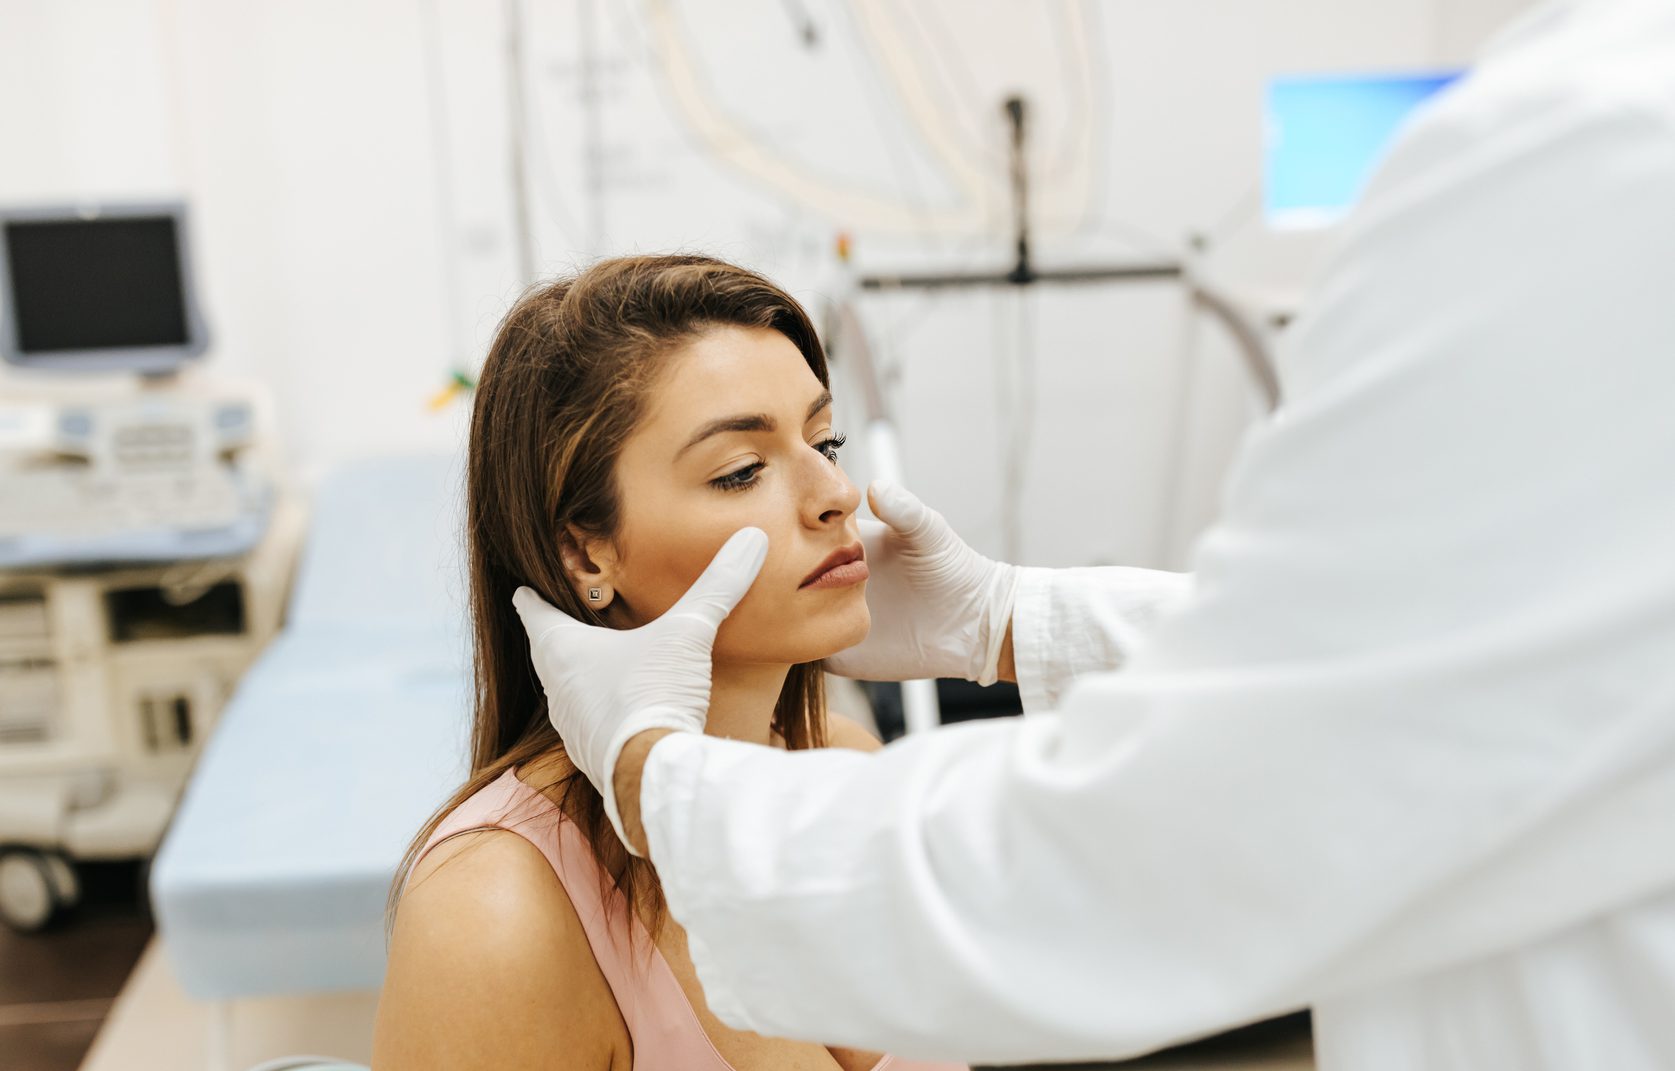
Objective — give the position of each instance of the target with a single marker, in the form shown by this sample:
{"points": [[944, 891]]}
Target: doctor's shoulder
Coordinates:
{"points": [[489, 967]]}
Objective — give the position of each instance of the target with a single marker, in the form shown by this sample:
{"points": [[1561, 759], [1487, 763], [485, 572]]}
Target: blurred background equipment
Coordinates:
{"points": [[1324, 134], [143, 560]]}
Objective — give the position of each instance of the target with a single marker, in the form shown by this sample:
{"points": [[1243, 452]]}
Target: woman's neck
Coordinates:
{"points": [[742, 699]]}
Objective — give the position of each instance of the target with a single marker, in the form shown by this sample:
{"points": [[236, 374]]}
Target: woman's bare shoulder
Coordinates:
{"points": [[489, 967], [844, 731]]}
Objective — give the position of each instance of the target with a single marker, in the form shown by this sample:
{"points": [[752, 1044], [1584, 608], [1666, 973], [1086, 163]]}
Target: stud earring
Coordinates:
{"points": [[595, 594]]}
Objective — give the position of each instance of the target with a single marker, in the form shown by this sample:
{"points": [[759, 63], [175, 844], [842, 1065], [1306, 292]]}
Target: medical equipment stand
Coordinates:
{"points": [[1246, 335]]}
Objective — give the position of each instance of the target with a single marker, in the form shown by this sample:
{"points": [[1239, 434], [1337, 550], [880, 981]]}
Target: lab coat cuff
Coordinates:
{"points": [[1069, 622], [1035, 658], [668, 778]]}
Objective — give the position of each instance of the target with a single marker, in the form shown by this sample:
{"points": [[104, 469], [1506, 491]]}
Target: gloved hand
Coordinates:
{"points": [[605, 685], [939, 608]]}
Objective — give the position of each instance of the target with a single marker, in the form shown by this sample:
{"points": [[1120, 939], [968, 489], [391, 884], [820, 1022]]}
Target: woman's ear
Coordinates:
{"points": [[590, 564]]}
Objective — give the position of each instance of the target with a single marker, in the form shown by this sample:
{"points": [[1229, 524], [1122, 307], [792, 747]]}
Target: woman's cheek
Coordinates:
{"points": [[750, 633], [687, 561]]}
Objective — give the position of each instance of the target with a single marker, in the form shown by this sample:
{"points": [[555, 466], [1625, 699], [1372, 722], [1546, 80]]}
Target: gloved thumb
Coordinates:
{"points": [[725, 580], [539, 616], [897, 507]]}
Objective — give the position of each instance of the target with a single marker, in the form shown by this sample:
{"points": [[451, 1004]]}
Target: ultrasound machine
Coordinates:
{"points": [[108, 453], [146, 544]]}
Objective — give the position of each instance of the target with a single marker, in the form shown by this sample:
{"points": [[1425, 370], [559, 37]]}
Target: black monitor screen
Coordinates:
{"points": [[96, 284]]}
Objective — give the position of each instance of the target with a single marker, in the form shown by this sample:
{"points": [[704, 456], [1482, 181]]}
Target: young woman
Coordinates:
{"points": [[627, 421]]}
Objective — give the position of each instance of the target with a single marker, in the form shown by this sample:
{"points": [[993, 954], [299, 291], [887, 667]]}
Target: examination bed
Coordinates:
{"points": [[347, 732]]}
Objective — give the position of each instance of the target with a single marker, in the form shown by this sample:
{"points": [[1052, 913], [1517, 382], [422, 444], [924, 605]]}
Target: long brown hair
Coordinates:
{"points": [[562, 386]]}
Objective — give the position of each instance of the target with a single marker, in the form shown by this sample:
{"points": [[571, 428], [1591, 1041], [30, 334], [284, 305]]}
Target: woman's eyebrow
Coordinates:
{"points": [[818, 404], [749, 422]]}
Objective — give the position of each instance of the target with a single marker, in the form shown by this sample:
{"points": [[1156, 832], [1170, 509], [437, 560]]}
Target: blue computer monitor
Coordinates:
{"points": [[98, 288], [1326, 134]]}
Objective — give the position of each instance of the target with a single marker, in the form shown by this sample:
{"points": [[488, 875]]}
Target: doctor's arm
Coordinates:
{"points": [[1076, 621], [1422, 671]]}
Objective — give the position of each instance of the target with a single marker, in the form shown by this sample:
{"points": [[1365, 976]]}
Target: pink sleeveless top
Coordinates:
{"points": [[661, 1021]]}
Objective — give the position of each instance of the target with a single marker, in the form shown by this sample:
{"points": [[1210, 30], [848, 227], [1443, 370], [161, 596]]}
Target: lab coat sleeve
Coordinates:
{"points": [[1067, 622], [1415, 710]]}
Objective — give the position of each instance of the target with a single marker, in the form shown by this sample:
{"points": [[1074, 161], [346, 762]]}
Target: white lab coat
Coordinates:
{"points": [[1402, 750]]}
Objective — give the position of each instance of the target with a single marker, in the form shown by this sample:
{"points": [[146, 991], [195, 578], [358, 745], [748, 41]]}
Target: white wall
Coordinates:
{"points": [[299, 135], [345, 268]]}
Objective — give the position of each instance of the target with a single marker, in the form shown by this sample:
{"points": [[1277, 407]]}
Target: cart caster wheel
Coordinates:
{"points": [[65, 884], [28, 896]]}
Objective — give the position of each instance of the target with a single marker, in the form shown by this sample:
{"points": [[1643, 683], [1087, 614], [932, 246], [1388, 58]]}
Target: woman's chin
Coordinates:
{"points": [[832, 633], [849, 625]]}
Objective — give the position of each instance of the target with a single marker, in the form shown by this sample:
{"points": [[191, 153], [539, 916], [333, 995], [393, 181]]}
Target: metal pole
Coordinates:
{"points": [[523, 238]]}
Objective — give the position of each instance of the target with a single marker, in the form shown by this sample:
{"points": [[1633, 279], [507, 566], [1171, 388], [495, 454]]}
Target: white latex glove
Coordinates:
{"points": [[939, 608], [605, 685]]}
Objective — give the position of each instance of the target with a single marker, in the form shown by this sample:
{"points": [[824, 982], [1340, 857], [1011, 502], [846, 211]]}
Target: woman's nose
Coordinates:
{"points": [[832, 495]]}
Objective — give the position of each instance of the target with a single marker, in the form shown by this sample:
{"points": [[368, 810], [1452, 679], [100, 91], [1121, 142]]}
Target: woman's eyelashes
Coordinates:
{"points": [[740, 479], [831, 446]]}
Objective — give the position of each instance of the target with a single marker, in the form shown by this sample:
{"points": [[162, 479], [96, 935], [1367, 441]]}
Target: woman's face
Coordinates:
{"points": [[737, 431]]}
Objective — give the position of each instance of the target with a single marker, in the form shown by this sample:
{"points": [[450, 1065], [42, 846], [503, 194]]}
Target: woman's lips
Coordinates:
{"points": [[839, 576], [839, 568]]}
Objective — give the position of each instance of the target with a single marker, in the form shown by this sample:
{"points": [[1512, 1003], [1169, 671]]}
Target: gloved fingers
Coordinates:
{"points": [[724, 581], [539, 616]]}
